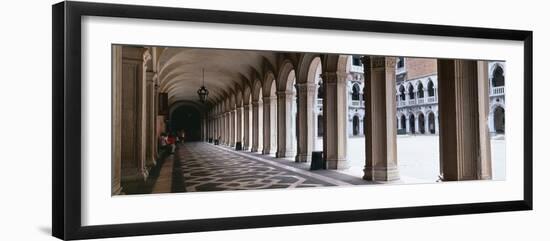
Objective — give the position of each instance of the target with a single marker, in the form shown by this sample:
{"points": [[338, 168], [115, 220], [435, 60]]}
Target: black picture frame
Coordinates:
{"points": [[67, 134]]}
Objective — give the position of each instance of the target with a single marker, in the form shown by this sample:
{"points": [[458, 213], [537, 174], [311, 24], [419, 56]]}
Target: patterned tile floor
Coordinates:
{"points": [[199, 166]]}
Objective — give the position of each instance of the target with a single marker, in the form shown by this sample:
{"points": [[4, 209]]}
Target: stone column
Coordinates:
{"points": [[269, 125], [407, 123], [427, 124], [335, 114], [255, 126], [227, 126], [484, 136], [150, 121], [239, 137], [116, 125], [285, 133], [232, 116], [380, 127], [463, 104], [305, 116], [416, 124], [133, 118], [246, 132]]}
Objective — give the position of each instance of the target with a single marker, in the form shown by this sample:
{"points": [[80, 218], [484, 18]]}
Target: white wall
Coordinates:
{"points": [[25, 102]]}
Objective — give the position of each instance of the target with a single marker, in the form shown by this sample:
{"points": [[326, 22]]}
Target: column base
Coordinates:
{"points": [[267, 152], [116, 189], [381, 174], [338, 164], [254, 149], [303, 158], [285, 154]]}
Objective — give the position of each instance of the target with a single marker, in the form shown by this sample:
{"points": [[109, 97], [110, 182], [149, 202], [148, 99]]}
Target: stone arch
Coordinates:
{"points": [[421, 123], [307, 68], [257, 90], [498, 118], [420, 89], [497, 76], [410, 90], [431, 122], [403, 121], [412, 127], [355, 91], [431, 88], [286, 76], [402, 92]]}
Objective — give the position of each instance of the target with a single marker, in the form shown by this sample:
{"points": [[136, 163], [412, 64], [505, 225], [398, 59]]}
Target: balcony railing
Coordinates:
{"points": [[417, 101], [355, 103], [497, 91], [319, 102], [432, 99]]}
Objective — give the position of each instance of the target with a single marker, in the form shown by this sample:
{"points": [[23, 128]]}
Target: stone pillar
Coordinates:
{"points": [[305, 116], [380, 127], [255, 126], [484, 136], [133, 119], [407, 123], [246, 132], [150, 121], [416, 124], [285, 133], [269, 125], [239, 137], [227, 126], [116, 125], [463, 139], [232, 116], [427, 124], [335, 114]]}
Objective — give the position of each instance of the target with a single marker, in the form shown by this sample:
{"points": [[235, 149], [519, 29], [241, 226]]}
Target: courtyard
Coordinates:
{"points": [[418, 157]]}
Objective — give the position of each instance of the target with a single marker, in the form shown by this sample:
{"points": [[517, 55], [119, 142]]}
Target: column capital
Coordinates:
{"points": [[334, 77], [306, 87], [267, 99], [378, 62], [287, 93]]}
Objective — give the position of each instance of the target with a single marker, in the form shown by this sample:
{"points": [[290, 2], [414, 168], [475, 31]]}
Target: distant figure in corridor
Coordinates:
{"points": [[163, 141], [171, 141]]}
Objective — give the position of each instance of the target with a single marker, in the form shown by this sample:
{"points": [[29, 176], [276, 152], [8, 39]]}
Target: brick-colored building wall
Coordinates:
{"points": [[420, 67]]}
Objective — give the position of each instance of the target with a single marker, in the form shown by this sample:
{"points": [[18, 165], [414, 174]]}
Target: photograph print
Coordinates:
{"points": [[189, 119]]}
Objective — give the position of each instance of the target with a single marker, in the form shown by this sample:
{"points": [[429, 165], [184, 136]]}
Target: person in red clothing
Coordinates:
{"points": [[171, 141]]}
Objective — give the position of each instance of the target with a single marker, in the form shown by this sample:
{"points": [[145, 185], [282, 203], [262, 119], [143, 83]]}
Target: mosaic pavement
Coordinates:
{"points": [[205, 167]]}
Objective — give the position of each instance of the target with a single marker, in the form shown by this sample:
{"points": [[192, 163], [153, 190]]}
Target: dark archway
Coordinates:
{"points": [[431, 123], [356, 125], [420, 90], [421, 123], [188, 120], [411, 124], [403, 123], [402, 92], [498, 120], [498, 77], [355, 92], [431, 89], [411, 92]]}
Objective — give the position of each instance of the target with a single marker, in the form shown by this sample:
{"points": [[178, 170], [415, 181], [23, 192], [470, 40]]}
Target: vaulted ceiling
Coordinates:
{"points": [[180, 71]]}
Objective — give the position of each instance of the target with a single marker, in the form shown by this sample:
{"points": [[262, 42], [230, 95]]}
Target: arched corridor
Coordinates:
{"points": [[269, 117]]}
